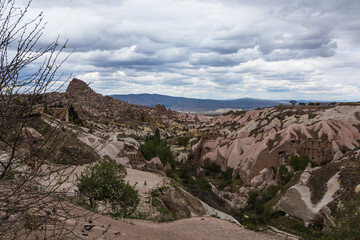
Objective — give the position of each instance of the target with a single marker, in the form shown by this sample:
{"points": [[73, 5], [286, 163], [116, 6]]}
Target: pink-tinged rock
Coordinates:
{"points": [[155, 163]]}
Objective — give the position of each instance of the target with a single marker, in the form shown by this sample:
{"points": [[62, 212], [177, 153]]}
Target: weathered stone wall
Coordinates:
{"points": [[317, 151]]}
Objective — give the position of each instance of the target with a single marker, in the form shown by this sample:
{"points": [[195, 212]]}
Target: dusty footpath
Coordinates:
{"points": [[208, 228]]}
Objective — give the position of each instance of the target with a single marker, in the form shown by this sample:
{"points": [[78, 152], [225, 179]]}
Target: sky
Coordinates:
{"points": [[211, 49]]}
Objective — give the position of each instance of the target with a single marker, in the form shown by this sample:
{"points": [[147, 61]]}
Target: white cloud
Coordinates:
{"points": [[211, 48]]}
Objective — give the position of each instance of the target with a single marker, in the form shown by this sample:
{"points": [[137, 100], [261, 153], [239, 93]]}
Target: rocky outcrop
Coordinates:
{"points": [[124, 151], [182, 203], [264, 179], [255, 140], [91, 105], [155, 164], [297, 200]]}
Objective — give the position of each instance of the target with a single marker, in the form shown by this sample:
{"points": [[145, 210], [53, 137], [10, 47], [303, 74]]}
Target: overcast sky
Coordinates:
{"points": [[214, 49]]}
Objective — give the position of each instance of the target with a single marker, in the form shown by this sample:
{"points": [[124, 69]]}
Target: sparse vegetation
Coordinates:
{"points": [[347, 223]]}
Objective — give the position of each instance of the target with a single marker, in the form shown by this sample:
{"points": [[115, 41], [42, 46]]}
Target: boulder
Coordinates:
{"points": [[183, 157], [31, 135], [155, 163], [263, 179]]}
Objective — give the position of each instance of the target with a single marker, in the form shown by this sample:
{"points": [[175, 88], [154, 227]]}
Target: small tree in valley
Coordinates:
{"points": [[105, 182]]}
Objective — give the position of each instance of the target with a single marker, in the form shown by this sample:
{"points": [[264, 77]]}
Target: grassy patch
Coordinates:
{"points": [[318, 181]]}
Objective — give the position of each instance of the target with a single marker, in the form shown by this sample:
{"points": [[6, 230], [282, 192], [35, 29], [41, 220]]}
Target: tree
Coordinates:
{"points": [[293, 102], [183, 141], [28, 71], [284, 176], [299, 162], [154, 146], [104, 182]]}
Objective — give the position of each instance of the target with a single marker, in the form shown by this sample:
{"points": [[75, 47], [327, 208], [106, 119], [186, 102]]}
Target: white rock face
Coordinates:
{"points": [[296, 201], [117, 149], [183, 157]]}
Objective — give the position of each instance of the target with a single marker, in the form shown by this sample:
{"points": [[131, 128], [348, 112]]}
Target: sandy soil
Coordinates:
{"points": [[193, 228], [140, 177]]}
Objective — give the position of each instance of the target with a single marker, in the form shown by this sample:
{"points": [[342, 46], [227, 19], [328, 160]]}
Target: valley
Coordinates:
{"points": [[283, 168]]}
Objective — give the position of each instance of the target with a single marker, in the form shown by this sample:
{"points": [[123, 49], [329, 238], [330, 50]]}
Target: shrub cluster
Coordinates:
{"points": [[104, 181], [299, 162], [156, 147]]}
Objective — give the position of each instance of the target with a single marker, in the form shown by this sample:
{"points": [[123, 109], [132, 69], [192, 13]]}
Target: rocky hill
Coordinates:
{"points": [[89, 104], [251, 141], [258, 144]]}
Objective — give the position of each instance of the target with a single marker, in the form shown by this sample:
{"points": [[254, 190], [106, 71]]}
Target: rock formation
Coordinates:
{"points": [[255, 140], [91, 105]]}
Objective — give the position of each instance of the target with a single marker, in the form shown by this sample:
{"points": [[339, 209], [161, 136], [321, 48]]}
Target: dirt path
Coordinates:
{"points": [[198, 228]]}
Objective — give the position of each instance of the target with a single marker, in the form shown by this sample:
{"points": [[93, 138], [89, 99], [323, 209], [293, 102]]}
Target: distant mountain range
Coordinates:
{"points": [[196, 105]]}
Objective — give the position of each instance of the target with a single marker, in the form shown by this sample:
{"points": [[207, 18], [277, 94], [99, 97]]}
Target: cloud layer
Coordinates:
{"points": [[305, 49]]}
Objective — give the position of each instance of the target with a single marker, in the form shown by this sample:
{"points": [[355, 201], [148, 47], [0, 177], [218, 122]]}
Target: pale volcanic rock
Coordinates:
{"points": [[296, 201], [200, 172], [155, 163], [275, 123], [289, 121], [183, 157], [263, 178], [31, 133], [122, 150], [258, 137]]}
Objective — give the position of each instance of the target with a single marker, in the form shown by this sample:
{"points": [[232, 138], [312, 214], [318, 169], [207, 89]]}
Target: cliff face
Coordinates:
{"points": [[258, 139]]}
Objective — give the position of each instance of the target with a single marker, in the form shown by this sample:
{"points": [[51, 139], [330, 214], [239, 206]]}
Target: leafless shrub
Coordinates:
{"points": [[33, 199]]}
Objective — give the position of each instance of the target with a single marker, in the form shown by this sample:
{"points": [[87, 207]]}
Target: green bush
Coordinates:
{"points": [[212, 169], [104, 181], [299, 162], [283, 175], [183, 141], [155, 147], [269, 193]]}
